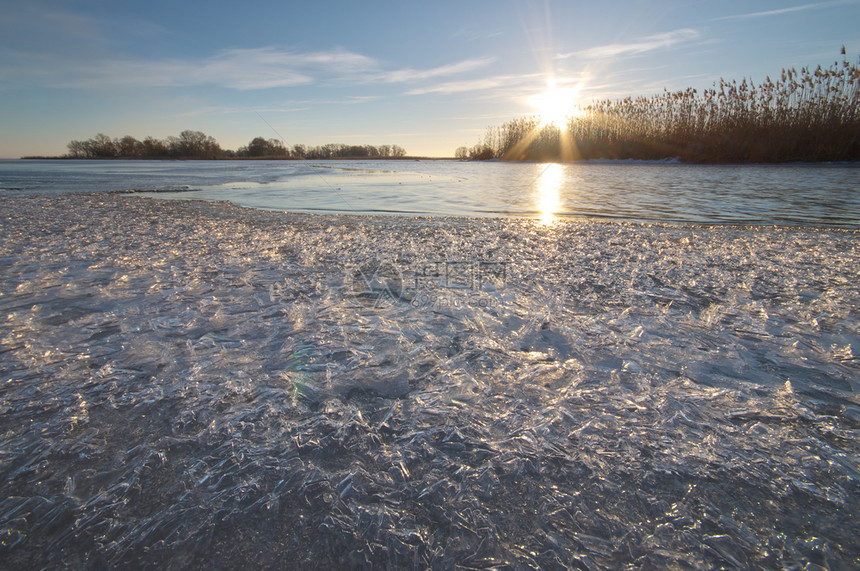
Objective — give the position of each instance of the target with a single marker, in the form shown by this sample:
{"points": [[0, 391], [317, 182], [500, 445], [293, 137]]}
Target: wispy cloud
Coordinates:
{"points": [[407, 75], [472, 34], [264, 68], [288, 106], [450, 87], [65, 50], [238, 69], [777, 12], [35, 23], [646, 44], [210, 110], [459, 86]]}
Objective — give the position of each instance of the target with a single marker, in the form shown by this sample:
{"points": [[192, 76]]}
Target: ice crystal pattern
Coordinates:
{"points": [[196, 385]]}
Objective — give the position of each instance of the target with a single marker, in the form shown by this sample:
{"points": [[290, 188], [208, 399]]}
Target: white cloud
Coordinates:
{"points": [[470, 85], [406, 75], [779, 11], [646, 44], [239, 69], [247, 69], [473, 34]]}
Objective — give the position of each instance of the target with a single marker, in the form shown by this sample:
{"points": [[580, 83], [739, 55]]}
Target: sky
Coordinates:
{"points": [[428, 76]]}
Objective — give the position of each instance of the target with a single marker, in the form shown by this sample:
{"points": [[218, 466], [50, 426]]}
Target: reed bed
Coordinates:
{"points": [[807, 115]]}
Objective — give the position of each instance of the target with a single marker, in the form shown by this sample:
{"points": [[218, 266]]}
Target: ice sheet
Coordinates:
{"points": [[195, 384]]}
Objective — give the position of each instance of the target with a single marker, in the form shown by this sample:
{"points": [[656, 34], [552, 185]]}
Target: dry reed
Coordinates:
{"points": [[806, 115]]}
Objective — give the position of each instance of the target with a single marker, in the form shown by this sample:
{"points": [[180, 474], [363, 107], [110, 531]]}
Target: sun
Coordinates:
{"points": [[555, 105]]}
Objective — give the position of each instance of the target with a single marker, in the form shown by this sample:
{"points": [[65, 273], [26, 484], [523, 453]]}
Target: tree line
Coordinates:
{"points": [[195, 145], [807, 115]]}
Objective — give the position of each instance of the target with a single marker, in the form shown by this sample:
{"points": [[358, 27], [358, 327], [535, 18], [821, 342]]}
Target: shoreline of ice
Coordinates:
{"points": [[196, 384]]}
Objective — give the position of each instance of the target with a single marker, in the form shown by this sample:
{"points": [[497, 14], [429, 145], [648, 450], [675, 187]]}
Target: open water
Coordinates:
{"points": [[799, 194]]}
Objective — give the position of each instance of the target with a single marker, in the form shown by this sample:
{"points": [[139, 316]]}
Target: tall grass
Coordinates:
{"points": [[806, 115]]}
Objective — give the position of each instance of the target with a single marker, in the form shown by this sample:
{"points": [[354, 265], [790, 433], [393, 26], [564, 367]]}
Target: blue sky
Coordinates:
{"points": [[426, 76]]}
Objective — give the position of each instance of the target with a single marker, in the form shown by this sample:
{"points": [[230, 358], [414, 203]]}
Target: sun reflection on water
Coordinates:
{"points": [[548, 185]]}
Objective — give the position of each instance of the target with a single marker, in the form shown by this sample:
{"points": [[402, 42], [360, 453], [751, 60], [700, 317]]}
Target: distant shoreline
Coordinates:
{"points": [[68, 158], [671, 160]]}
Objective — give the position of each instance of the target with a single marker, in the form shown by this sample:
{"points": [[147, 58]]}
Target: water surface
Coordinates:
{"points": [[798, 194]]}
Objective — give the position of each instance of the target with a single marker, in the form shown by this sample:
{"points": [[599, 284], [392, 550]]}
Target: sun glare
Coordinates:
{"points": [[548, 185], [555, 105]]}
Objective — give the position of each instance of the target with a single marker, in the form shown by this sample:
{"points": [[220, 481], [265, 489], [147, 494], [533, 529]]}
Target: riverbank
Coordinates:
{"points": [[197, 384]]}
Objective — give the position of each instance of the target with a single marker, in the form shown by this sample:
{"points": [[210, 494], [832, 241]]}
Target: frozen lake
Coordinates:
{"points": [[813, 195], [529, 379], [199, 385]]}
